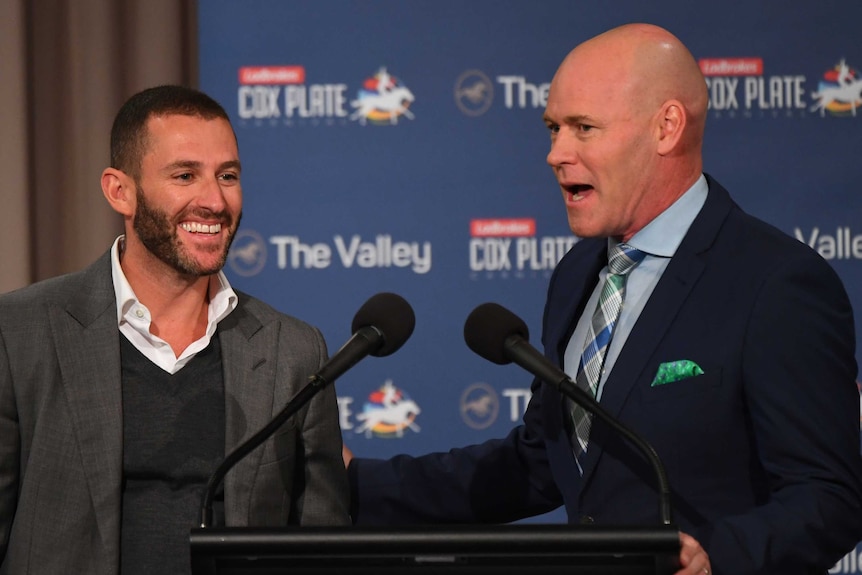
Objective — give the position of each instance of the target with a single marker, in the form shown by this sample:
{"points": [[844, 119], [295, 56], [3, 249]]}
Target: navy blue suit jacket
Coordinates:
{"points": [[762, 449]]}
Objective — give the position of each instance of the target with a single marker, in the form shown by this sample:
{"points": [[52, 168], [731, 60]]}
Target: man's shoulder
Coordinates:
{"points": [[91, 281], [249, 306], [722, 223], [759, 239]]}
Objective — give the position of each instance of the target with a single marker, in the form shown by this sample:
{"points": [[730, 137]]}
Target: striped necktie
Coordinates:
{"points": [[622, 260]]}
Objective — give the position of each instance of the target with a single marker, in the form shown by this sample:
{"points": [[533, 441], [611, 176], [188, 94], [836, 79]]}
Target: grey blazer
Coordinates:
{"points": [[61, 445]]}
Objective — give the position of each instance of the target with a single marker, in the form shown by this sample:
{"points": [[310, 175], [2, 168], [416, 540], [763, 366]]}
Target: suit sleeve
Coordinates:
{"points": [[323, 499], [500, 480], [799, 371], [9, 451]]}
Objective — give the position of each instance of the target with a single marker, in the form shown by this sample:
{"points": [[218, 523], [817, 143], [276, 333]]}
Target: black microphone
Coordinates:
{"points": [[380, 327], [501, 337]]}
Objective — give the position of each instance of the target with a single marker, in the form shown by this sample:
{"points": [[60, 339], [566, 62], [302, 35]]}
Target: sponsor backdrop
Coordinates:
{"points": [[399, 146]]}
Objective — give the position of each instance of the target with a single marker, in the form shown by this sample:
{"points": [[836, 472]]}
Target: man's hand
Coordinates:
{"points": [[692, 557], [347, 455]]}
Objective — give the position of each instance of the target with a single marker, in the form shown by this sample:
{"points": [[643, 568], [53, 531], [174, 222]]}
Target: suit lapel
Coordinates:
{"points": [[565, 308], [249, 363], [573, 282], [86, 339], [674, 287]]}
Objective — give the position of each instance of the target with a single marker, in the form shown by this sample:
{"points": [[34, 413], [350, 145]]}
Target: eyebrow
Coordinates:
{"points": [[575, 119], [231, 164], [195, 165]]}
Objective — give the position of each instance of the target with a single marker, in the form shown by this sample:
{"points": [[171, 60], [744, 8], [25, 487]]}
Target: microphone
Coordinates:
{"points": [[380, 327], [501, 337]]}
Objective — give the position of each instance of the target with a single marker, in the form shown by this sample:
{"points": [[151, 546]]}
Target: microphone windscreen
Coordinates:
{"points": [[488, 327], [391, 315]]}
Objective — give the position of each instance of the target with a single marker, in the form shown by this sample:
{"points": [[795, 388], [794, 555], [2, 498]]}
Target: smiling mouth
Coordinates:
{"points": [[198, 228]]}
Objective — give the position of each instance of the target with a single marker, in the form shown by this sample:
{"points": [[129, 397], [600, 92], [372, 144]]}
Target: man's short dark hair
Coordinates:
{"points": [[129, 132]]}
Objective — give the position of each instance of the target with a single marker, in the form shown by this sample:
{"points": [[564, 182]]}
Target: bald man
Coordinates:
{"points": [[733, 355]]}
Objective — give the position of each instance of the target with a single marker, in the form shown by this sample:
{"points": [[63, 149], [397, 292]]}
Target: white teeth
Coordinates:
{"points": [[199, 228]]}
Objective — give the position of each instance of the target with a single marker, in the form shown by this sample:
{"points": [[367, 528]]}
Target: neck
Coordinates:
{"points": [[178, 304]]}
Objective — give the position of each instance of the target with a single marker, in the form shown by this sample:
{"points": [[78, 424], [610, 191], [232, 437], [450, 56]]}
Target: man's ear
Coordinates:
{"points": [[119, 190], [672, 123]]}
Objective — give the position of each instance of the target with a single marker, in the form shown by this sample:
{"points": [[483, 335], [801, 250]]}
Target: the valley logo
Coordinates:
{"points": [[480, 405], [474, 93], [247, 255]]}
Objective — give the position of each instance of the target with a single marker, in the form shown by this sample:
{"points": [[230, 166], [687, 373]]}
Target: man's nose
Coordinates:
{"points": [[213, 196], [563, 150]]}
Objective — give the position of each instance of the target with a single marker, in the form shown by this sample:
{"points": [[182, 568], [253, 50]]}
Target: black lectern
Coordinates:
{"points": [[436, 550]]}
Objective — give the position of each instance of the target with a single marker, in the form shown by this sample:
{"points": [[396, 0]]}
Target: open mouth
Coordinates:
{"points": [[576, 190], [199, 228]]}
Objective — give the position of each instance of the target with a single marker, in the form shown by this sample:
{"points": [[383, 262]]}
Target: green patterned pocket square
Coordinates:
{"points": [[674, 371]]}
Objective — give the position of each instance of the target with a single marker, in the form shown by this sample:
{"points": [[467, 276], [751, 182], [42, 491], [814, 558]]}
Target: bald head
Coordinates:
{"points": [[645, 66], [626, 113]]}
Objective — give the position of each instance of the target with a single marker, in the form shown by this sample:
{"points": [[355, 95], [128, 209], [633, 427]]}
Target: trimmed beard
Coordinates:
{"points": [[159, 235]]}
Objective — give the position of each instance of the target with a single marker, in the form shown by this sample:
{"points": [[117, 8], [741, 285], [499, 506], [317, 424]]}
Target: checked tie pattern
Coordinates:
{"points": [[622, 260]]}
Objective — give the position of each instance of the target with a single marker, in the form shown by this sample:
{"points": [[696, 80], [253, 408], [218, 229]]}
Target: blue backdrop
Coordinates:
{"points": [[398, 146]]}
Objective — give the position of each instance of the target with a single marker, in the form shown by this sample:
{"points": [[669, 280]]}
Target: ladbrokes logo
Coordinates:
{"points": [[382, 100], [263, 75], [507, 247], [738, 87], [275, 95]]}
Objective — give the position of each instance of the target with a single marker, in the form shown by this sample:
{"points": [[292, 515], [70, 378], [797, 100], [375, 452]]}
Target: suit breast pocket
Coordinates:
{"points": [[688, 388]]}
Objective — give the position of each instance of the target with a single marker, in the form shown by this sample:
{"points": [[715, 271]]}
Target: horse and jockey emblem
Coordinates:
{"points": [[382, 100], [388, 412], [839, 92]]}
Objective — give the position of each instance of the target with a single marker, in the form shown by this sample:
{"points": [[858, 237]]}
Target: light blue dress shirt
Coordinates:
{"points": [[659, 239]]}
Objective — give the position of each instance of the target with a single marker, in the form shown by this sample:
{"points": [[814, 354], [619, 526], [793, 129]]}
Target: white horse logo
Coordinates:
{"points": [[393, 103], [848, 91], [395, 412]]}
